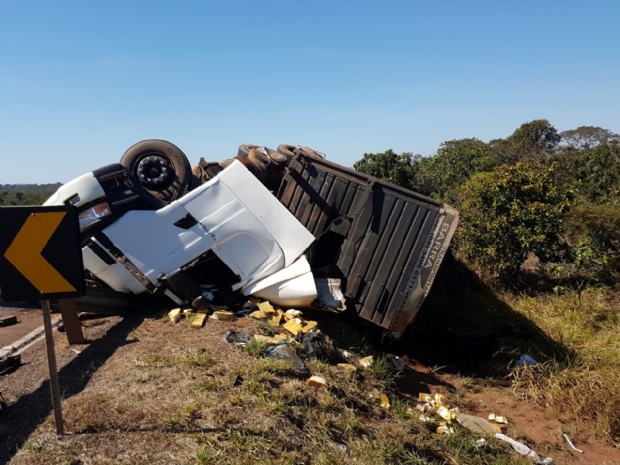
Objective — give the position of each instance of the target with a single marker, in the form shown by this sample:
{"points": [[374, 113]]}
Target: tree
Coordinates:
{"points": [[509, 212], [532, 141], [456, 161], [390, 166], [587, 137]]}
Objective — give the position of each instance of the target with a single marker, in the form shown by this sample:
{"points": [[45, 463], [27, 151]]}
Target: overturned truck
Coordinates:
{"points": [[287, 225]]}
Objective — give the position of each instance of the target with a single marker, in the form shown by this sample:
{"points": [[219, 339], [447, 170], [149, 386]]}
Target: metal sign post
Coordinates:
{"points": [[41, 259], [51, 361]]}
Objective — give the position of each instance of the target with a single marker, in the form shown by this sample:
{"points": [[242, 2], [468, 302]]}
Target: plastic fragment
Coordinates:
{"points": [[255, 300], [526, 360], [366, 361], [234, 337], [477, 424], [480, 443], [175, 315], [570, 443], [385, 401], [444, 429], [524, 450], [397, 363], [317, 381], [498, 419], [284, 352]]}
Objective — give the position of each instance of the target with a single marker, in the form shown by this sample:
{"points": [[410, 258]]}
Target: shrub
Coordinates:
{"points": [[510, 212]]}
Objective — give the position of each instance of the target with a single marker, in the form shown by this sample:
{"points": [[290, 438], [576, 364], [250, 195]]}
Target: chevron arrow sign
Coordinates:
{"points": [[40, 254]]}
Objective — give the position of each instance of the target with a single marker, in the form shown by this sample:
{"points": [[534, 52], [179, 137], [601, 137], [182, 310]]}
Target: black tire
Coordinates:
{"points": [[160, 167], [291, 151], [274, 156]]}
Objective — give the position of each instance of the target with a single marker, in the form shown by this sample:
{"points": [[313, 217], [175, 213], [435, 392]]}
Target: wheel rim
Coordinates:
{"points": [[155, 172]]}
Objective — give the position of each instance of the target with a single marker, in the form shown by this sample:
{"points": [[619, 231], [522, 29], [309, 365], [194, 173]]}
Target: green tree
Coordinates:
{"points": [[509, 212], [456, 161], [532, 141], [596, 170], [395, 168]]}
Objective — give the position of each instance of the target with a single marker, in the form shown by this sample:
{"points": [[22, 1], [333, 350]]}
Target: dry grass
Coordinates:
{"points": [[172, 399], [585, 386]]}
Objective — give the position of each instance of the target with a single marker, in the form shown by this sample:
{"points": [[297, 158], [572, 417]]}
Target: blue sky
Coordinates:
{"points": [[80, 82]]}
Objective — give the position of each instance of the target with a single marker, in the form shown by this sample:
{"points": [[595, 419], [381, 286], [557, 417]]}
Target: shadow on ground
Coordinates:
{"points": [[463, 327], [25, 415]]}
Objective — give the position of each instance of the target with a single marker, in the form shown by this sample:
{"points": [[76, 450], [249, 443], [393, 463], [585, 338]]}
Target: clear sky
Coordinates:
{"points": [[82, 81]]}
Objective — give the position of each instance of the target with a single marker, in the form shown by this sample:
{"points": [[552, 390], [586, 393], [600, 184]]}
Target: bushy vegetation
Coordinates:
{"points": [[540, 224], [537, 191]]}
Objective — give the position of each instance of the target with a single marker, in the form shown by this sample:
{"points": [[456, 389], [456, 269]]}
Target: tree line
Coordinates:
{"points": [[554, 195], [26, 194]]}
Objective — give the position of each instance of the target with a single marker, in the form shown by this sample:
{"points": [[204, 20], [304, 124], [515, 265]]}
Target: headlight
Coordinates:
{"points": [[93, 214]]}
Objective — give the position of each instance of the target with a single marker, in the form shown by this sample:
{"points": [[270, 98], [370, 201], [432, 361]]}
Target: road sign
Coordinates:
{"points": [[40, 253]]}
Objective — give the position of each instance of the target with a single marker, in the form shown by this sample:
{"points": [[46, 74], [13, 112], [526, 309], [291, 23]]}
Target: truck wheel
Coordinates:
{"points": [[160, 167], [271, 157], [291, 151]]}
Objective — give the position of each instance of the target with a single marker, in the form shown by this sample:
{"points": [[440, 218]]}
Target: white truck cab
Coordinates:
{"points": [[227, 234]]}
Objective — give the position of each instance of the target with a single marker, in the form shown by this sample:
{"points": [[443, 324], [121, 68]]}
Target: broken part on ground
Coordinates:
{"points": [[286, 225]]}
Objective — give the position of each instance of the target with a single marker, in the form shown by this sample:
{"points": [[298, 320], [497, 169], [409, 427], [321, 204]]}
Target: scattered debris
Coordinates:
{"points": [[238, 381], [285, 352], [9, 362], [343, 368], [477, 424], [385, 401], [329, 294], [498, 419], [222, 315], [198, 320], [366, 362], [8, 321], [524, 450], [570, 443], [526, 360], [317, 381], [175, 315], [293, 327], [397, 363], [238, 338]]}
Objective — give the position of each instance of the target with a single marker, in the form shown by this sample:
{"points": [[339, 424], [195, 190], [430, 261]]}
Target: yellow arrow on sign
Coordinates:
{"points": [[24, 253]]}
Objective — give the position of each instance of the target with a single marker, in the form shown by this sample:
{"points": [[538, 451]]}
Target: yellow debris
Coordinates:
{"points": [[267, 308], [310, 325], [222, 315], [277, 318], [347, 367], [317, 381], [267, 339], [292, 327], [198, 320], [282, 337], [175, 315], [425, 397], [255, 300], [292, 313], [366, 361], [385, 401], [447, 414]]}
